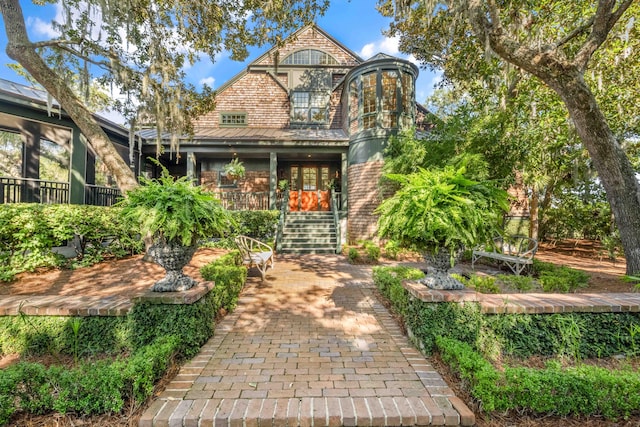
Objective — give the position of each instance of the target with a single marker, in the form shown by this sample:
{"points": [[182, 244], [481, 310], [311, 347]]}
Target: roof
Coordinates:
{"points": [[261, 135], [273, 48], [37, 98]]}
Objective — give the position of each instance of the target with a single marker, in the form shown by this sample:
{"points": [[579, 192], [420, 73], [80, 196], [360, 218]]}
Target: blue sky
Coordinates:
{"points": [[356, 24]]}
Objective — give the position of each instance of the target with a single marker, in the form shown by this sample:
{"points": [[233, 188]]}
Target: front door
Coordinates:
{"points": [[309, 188]]}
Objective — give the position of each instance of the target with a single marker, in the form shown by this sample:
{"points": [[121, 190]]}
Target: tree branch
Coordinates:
{"points": [[582, 28], [603, 21]]}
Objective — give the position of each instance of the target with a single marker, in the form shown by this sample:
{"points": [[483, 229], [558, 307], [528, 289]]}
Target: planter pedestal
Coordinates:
{"points": [[172, 257], [438, 275]]}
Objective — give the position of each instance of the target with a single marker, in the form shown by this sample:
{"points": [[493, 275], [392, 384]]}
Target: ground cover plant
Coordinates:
{"points": [[475, 343], [546, 277], [112, 363]]}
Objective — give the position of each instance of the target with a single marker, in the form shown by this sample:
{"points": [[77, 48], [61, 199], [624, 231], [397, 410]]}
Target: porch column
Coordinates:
{"points": [[344, 184], [78, 168], [191, 165], [31, 161], [273, 179]]}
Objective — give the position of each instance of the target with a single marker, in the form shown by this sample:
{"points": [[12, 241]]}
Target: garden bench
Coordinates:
{"points": [[516, 252], [255, 254]]}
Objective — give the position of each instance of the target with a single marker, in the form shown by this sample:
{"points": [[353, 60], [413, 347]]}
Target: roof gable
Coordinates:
{"points": [[309, 37]]}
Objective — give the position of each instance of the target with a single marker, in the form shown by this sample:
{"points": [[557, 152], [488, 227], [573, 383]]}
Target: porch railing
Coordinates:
{"points": [[101, 196], [236, 200], [29, 190]]}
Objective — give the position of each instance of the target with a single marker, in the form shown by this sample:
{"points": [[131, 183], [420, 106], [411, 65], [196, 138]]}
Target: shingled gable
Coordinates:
{"points": [[260, 93]]}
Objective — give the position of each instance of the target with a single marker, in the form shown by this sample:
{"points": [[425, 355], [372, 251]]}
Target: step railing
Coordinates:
{"points": [[284, 208], [336, 220]]}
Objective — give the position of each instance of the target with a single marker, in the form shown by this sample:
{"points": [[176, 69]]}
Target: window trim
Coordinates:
{"points": [[309, 107], [233, 113]]}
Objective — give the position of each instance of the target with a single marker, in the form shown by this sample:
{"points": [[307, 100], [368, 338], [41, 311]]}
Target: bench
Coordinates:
{"points": [[516, 252], [255, 254]]}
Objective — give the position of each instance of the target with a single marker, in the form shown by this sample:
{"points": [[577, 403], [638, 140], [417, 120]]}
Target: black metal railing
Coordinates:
{"points": [[29, 190], [101, 196], [250, 201]]}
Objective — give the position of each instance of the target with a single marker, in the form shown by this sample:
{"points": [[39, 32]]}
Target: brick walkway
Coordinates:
{"points": [[311, 346]]}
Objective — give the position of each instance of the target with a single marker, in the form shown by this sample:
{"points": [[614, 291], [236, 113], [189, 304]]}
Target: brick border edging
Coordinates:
{"points": [[530, 303], [454, 410]]}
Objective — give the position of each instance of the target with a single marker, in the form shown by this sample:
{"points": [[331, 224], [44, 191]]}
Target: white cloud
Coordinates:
{"points": [[209, 81], [388, 45], [41, 28]]}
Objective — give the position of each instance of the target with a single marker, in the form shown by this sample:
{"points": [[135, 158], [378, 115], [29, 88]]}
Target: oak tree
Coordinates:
{"points": [[143, 47], [558, 43]]}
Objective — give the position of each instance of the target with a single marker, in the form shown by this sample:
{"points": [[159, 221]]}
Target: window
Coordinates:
{"points": [[309, 107], [309, 57], [389, 104], [309, 178], [369, 101], [233, 119]]}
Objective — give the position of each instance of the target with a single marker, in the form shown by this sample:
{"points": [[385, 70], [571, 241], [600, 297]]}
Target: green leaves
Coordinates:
{"points": [[175, 210], [441, 208]]}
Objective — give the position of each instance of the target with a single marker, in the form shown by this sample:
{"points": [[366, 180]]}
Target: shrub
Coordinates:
{"points": [[579, 335], [389, 282], [581, 390], [392, 249], [353, 255], [520, 283], [562, 279], [229, 277], [482, 284], [90, 388], [29, 232], [371, 250]]}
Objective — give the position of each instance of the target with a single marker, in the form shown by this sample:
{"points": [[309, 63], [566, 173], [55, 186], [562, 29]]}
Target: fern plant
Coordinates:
{"points": [[175, 210], [436, 209]]}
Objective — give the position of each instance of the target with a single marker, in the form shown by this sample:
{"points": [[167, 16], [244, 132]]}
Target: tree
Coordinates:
{"points": [[142, 47], [557, 42]]}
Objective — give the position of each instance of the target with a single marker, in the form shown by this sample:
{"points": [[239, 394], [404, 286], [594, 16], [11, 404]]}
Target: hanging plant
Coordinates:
{"points": [[234, 169]]}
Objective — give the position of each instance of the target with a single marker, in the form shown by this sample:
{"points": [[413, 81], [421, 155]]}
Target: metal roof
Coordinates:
{"points": [[247, 134]]}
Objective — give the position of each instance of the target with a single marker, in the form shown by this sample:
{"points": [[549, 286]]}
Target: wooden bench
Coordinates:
{"points": [[255, 254], [516, 252]]}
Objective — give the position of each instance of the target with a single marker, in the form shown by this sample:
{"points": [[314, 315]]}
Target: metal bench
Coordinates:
{"points": [[516, 252], [255, 254]]}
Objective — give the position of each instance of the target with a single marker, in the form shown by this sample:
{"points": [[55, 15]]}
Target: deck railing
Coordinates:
{"points": [[29, 190], [250, 201]]}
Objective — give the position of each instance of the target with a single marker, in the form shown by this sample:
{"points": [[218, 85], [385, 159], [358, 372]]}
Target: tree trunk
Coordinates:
{"points": [[534, 215], [613, 166], [22, 50]]}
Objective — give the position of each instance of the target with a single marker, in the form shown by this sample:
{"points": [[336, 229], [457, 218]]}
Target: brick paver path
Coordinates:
{"points": [[309, 346]]}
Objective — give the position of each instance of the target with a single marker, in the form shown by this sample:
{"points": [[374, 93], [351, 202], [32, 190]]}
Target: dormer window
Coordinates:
{"points": [[309, 57]]}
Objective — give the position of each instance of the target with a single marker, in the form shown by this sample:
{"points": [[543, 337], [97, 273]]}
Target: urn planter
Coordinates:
{"points": [[172, 257], [438, 272]]}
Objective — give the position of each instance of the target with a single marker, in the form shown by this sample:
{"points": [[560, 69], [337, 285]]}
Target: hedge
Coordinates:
{"points": [[154, 334], [580, 335], [580, 390], [466, 338]]}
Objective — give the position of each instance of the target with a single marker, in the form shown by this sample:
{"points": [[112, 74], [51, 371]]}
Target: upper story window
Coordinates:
{"points": [[381, 99], [233, 119], [309, 107], [309, 57]]}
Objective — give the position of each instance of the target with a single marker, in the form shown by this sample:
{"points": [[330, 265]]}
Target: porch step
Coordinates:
{"points": [[309, 233]]}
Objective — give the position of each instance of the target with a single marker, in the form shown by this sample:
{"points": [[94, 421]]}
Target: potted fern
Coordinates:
{"points": [[439, 213], [234, 169], [174, 213]]}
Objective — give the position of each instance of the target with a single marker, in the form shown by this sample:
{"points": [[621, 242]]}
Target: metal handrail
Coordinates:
{"points": [[284, 208], [336, 221]]}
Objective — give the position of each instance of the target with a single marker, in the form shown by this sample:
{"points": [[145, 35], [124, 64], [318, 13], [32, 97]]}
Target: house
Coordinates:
{"points": [[311, 113]]}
